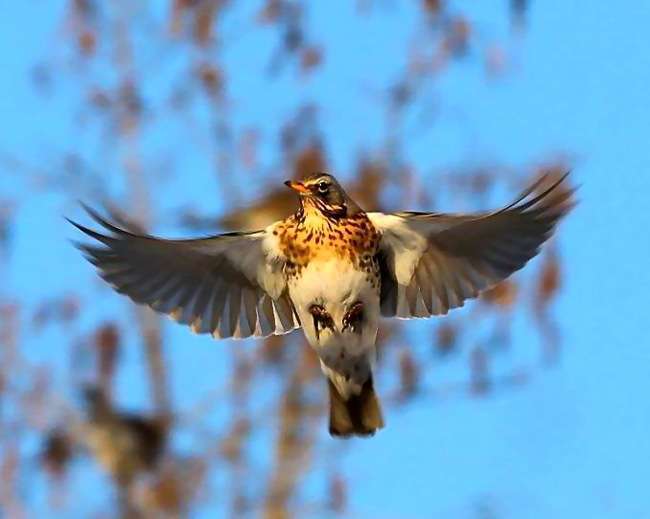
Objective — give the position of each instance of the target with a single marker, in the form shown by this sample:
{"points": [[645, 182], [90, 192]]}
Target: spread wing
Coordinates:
{"points": [[229, 285], [432, 263]]}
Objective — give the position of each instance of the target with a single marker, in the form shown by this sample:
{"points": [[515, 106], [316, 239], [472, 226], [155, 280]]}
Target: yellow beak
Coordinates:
{"points": [[297, 186]]}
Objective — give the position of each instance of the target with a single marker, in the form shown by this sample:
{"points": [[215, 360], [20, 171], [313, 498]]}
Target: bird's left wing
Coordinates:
{"points": [[229, 285], [431, 263]]}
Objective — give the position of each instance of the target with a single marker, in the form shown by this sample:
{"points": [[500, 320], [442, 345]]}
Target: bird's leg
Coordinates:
{"points": [[353, 317], [322, 319]]}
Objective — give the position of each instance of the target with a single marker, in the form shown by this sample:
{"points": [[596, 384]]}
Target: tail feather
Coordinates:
{"points": [[360, 415]]}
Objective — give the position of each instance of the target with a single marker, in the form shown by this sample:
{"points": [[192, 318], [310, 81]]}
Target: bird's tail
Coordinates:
{"points": [[359, 415]]}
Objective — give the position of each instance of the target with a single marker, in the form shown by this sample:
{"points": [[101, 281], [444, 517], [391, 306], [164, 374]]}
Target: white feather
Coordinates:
{"points": [[407, 245], [336, 285]]}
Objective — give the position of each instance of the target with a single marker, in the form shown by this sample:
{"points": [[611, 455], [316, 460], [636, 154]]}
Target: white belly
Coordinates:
{"points": [[336, 286]]}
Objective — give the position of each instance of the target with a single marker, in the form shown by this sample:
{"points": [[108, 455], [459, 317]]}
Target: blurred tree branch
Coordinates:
{"points": [[135, 74]]}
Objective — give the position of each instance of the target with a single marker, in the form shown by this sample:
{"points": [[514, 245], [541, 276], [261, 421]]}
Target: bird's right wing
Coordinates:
{"points": [[432, 262], [229, 285]]}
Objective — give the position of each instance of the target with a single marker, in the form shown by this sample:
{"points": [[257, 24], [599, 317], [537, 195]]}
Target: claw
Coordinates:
{"points": [[353, 318], [322, 319]]}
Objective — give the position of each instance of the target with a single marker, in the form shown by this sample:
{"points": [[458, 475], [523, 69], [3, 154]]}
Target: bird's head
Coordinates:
{"points": [[322, 192], [97, 405]]}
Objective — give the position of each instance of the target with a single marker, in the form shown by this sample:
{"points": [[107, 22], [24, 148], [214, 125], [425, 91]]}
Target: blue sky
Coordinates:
{"points": [[573, 442]]}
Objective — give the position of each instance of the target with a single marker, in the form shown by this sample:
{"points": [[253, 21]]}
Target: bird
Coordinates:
{"points": [[124, 444], [333, 270]]}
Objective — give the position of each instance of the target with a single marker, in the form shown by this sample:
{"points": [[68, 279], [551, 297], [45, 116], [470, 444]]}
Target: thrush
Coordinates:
{"points": [[332, 270], [124, 444]]}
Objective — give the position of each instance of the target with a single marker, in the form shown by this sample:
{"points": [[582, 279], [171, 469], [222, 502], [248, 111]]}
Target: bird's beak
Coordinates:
{"points": [[299, 187]]}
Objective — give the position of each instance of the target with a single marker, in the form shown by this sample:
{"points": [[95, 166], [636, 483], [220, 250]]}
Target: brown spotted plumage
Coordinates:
{"points": [[332, 270], [303, 238]]}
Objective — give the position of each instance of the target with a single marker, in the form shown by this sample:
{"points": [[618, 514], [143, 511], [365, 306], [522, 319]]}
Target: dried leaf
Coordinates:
{"points": [[204, 20], [549, 280], [107, 343], [432, 7], [271, 11], [409, 375], [212, 79], [310, 58], [503, 294], [446, 338], [87, 42]]}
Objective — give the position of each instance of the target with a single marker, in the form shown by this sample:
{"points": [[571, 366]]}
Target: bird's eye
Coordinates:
{"points": [[323, 187]]}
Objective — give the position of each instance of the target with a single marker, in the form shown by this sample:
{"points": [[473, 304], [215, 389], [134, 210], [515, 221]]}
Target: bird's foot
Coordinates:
{"points": [[322, 319], [353, 317]]}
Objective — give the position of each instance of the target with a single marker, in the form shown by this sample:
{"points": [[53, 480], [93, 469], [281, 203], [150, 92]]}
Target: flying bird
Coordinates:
{"points": [[124, 444], [332, 270]]}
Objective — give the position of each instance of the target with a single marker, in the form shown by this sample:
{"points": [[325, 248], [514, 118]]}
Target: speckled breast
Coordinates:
{"points": [[311, 237]]}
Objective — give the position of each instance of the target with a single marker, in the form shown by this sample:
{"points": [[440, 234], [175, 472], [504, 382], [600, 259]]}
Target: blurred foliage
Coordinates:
{"points": [[106, 50]]}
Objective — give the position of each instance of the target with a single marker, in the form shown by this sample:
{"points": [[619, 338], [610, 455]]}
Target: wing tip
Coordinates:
{"points": [[89, 232], [564, 199]]}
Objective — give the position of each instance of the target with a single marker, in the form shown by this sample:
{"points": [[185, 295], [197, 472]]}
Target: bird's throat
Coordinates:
{"points": [[316, 213]]}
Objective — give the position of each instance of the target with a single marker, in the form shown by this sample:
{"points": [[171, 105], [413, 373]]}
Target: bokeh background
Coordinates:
{"points": [[177, 116]]}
